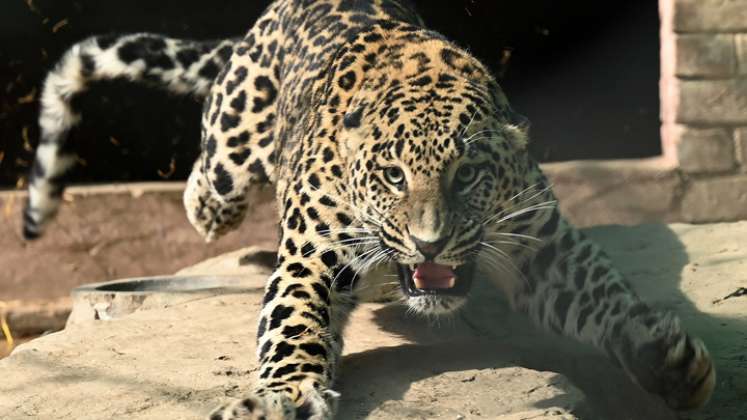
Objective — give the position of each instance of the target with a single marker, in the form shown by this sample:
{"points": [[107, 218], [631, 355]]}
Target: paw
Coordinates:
{"points": [[273, 406], [675, 366], [689, 375], [211, 217], [319, 405], [313, 405]]}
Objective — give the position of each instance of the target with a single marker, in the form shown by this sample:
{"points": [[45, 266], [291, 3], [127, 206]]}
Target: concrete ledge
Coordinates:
{"points": [[135, 189], [28, 318], [626, 191], [111, 231]]}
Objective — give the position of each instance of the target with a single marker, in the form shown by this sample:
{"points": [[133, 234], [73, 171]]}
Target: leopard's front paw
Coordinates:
{"points": [[688, 376], [210, 216], [254, 407], [313, 405], [675, 366]]}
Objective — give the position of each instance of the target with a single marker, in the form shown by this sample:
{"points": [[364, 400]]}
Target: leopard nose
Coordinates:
{"points": [[430, 249]]}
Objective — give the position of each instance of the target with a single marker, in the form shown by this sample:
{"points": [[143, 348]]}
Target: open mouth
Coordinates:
{"points": [[429, 278]]}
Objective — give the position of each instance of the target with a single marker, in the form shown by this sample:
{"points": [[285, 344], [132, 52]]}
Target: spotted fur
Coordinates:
{"points": [[178, 66], [390, 146]]}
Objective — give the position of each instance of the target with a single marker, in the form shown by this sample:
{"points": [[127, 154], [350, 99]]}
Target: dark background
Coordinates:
{"points": [[584, 72]]}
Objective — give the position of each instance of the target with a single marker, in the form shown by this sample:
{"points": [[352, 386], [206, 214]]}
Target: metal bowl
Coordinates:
{"points": [[114, 299]]}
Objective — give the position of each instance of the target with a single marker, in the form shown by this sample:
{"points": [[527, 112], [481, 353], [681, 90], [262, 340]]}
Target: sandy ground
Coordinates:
{"points": [[178, 361]]}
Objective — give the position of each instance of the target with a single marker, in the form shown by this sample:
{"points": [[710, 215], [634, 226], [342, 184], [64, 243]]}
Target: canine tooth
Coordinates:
{"points": [[452, 281], [418, 283]]}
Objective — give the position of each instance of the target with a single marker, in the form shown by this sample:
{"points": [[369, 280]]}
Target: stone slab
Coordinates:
{"points": [[710, 15], [177, 362], [702, 150], [626, 191], [716, 199], [741, 53], [712, 102], [705, 55], [740, 147]]}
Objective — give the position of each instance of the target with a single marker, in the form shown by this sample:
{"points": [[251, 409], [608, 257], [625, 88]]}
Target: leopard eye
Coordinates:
{"points": [[394, 176], [466, 174]]}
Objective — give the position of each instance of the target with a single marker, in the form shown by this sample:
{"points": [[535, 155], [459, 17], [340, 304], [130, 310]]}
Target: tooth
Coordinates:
{"points": [[418, 283], [452, 280]]}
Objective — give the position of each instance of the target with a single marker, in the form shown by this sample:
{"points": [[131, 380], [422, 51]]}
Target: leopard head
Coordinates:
{"points": [[432, 154]]}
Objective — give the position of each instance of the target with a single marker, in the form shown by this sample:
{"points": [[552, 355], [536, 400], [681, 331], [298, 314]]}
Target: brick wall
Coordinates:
{"points": [[704, 104]]}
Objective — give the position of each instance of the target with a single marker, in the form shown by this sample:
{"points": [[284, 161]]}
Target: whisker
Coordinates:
{"points": [[496, 266], [510, 200], [517, 235], [472, 118], [362, 255], [479, 138], [377, 258], [342, 246], [524, 211], [545, 205], [485, 134], [344, 230], [514, 243], [528, 189], [481, 132], [505, 256], [499, 268], [523, 200], [348, 240]]}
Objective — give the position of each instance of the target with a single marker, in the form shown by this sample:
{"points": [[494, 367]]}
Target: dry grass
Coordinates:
{"points": [[9, 342]]}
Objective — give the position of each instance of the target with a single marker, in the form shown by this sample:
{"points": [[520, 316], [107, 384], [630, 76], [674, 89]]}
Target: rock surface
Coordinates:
{"points": [[178, 361]]}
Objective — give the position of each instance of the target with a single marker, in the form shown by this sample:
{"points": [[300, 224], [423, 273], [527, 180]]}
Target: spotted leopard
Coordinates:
{"points": [[390, 148]]}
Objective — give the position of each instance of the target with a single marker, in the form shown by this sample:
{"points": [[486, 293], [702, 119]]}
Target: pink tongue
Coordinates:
{"points": [[430, 275]]}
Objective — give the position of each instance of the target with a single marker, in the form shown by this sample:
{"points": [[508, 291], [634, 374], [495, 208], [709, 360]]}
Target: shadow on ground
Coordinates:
{"points": [[488, 336]]}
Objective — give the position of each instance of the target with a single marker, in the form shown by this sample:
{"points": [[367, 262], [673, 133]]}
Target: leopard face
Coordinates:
{"points": [[428, 176]]}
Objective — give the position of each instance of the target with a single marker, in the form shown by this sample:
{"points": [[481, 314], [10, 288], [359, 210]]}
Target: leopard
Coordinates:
{"points": [[391, 151]]}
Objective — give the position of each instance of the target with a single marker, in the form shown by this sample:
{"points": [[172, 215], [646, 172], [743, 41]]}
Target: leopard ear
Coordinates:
{"points": [[517, 129], [518, 120], [517, 135], [517, 125]]}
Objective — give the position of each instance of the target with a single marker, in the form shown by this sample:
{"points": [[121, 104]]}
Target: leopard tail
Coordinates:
{"points": [[177, 66]]}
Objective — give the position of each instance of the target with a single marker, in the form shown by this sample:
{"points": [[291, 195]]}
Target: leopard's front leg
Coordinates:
{"points": [[299, 338], [574, 289]]}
